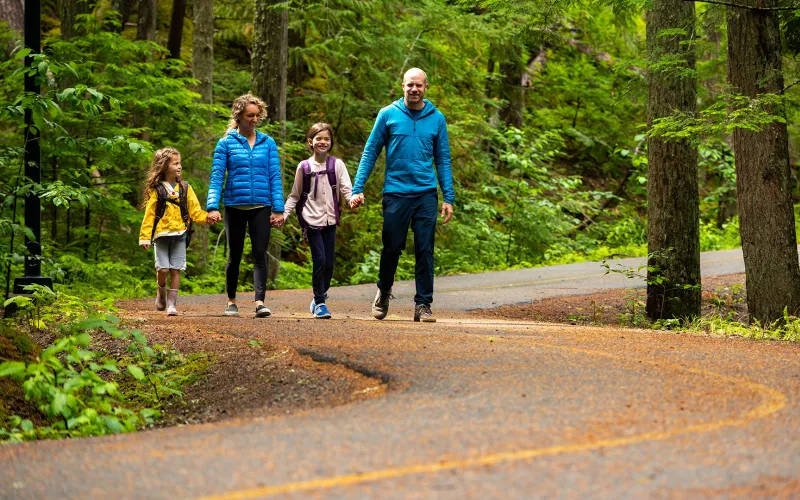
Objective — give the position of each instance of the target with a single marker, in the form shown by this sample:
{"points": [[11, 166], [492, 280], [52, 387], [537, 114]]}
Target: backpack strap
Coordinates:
{"points": [[161, 207], [183, 202], [330, 167], [306, 167]]}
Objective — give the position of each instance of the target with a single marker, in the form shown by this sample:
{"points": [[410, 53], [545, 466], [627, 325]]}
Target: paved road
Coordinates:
{"points": [[473, 409]]}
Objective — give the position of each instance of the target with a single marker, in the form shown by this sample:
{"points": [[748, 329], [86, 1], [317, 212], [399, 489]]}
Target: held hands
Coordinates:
{"points": [[447, 212], [277, 219], [356, 201], [213, 217]]}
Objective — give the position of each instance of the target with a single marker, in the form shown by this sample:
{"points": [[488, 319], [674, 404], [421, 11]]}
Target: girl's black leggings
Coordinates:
{"points": [[323, 247], [237, 223]]}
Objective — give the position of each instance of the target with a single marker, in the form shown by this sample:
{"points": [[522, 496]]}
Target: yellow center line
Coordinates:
{"points": [[772, 402]]}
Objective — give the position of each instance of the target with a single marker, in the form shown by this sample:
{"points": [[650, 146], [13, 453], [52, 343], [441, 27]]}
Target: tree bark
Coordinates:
{"points": [[269, 65], [270, 57], [69, 10], [203, 48], [146, 26], [673, 231], [511, 90], [13, 11], [124, 9], [766, 216], [176, 29]]}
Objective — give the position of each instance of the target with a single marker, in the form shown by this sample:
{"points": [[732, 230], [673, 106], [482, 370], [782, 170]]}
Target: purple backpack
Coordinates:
{"points": [[330, 170]]}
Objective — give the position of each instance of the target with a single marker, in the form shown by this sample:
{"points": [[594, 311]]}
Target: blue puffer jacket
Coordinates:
{"points": [[412, 148], [254, 175]]}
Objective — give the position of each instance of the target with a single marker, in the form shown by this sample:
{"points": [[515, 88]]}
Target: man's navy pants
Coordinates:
{"points": [[418, 212]]}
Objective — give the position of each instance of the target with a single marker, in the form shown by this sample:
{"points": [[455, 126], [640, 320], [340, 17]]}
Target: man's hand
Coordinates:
{"points": [[357, 200], [213, 217], [447, 212], [146, 246], [276, 219]]}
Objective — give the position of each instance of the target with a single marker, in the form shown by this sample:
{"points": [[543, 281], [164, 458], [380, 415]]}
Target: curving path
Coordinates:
{"points": [[467, 408]]}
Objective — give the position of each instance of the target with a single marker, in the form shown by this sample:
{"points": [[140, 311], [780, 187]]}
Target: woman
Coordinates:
{"points": [[253, 195]]}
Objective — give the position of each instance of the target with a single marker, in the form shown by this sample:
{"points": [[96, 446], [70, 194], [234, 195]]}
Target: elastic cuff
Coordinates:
{"points": [[144, 242]]}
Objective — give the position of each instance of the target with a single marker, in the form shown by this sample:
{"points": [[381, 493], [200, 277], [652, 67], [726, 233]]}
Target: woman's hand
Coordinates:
{"points": [[146, 246], [276, 219], [213, 217]]}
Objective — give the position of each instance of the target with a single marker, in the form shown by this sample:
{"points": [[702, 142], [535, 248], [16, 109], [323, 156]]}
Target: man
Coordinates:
{"points": [[415, 135]]}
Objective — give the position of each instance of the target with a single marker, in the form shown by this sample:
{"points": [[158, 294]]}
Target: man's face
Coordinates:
{"points": [[414, 87]]}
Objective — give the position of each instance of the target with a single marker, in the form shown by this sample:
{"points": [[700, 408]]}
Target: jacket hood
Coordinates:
{"points": [[260, 137], [426, 110]]}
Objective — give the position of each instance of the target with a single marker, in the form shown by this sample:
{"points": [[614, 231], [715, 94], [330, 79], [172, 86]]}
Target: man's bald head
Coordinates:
{"points": [[415, 83], [415, 72]]}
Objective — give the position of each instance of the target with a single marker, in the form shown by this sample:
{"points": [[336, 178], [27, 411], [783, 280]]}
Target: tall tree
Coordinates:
{"points": [[766, 217], [124, 7], [203, 48], [269, 66], [176, 29], [146, 26], [13, 11], [673, 231], [69, 10], [511, 90]]}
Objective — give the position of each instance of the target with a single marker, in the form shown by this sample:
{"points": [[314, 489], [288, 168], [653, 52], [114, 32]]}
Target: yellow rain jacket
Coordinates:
{"points": [[172, 223]]}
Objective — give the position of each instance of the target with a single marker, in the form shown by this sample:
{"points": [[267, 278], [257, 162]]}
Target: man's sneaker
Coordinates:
{"points": [[422, 312], [231, 310], [262, 311], [321, 312], [380, 308]]}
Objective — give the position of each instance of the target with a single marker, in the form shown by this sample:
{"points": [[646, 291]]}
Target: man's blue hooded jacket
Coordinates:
{"points": [[412, 148]]}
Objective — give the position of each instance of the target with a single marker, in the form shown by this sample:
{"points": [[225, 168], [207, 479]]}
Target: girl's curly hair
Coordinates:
{"points": [[158, 168], [239, 105]]}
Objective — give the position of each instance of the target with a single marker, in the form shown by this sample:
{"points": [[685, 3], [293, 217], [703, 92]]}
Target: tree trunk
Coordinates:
{"points": [[124, 9], [269, 65], [13, 11], [763, 182], [673, 231], [298, 69], [176, 29], [270, 57], [69, 10], [146, 26], [203, 48], [511, 90]]}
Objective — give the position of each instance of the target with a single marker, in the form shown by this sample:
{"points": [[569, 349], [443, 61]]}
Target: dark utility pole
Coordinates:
{"points": [[33, 266]]}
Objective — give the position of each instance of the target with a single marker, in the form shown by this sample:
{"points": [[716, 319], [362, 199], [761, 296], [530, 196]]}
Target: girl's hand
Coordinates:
{"points": [[276, 219], [146, 246]]}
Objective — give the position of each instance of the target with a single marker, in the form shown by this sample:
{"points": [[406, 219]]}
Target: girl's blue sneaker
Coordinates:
{"points": [[321, 312], [313, 306]]}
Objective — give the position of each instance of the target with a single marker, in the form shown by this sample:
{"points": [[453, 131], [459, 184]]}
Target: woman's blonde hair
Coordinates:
{"points": [[158, 168], [239, 105]]}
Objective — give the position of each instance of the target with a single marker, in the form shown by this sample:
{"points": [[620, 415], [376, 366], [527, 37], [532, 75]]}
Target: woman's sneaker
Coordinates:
{"points": [[321, 312], [380, 307], [231, 310], [422, 312], [313, 306], [262, 311]]}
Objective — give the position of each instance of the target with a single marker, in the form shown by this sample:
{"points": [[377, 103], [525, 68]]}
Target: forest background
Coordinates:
{"points": [[547, 103], [547, 114]]}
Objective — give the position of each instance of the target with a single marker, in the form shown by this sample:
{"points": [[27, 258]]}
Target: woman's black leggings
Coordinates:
{"points": [[237, 222]]}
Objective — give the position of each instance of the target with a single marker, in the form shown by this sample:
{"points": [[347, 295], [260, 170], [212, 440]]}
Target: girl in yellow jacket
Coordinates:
{"points": [[168, 235]]}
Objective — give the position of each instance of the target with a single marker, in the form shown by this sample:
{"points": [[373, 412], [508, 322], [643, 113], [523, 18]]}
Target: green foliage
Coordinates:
{"points": [[786, 329], [79, 390]]}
